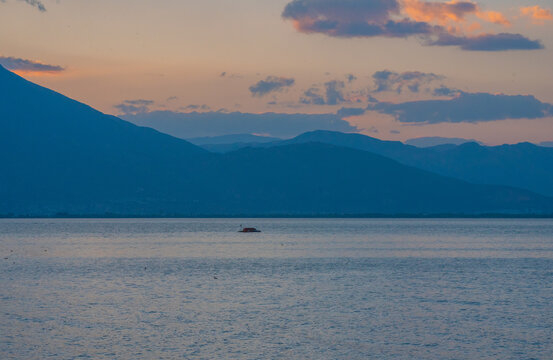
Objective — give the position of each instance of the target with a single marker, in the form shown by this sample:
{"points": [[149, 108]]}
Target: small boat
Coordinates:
{"points": [[248, 229]]}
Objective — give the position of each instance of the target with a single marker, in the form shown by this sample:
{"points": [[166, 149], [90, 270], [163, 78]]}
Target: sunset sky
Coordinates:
{"points": [[395, 69]]}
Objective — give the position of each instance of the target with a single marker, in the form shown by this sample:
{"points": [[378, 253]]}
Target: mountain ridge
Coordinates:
{"points": [[58, 156], [523, 165]]}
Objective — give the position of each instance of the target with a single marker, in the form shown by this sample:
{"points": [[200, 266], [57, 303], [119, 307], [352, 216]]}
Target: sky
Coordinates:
{"points": [[393, 69]]}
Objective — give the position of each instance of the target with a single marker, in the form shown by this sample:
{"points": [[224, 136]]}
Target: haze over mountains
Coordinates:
{"points": [[59, 156]]}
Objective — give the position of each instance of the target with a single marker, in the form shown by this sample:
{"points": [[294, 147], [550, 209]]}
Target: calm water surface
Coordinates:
{"points": [[301, 289]]}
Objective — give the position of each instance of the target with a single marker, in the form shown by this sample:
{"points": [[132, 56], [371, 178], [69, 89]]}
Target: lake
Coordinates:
{"points": [[300, 289]]}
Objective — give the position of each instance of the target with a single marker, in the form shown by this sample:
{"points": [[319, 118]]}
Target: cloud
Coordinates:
{"points": [[227, 75], [451, 12], [412, 80], [468, 108], [351, 18], [333, 94], [433, 22], [139, 102], [36, 3], [442, 13], [270, 84], [349, 111], [28, 66], [196, 124], [196, 107], [133, 107], [489, 42], [445, 91], [351, 78], [312, 96], [372, 100], [172, 98], [494, 17], [538, 14]]}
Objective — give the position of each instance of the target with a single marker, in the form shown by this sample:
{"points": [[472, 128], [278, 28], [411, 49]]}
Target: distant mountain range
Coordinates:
{"points": [[523, 165], [437, 140], [61, 157], [227, 143], [230, 139]]}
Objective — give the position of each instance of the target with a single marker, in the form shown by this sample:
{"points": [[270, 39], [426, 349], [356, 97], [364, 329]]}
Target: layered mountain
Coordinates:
{"points": [[317, 178], [230, 139], [227, 143], [430, 141], [59, 156], [523, 165]]}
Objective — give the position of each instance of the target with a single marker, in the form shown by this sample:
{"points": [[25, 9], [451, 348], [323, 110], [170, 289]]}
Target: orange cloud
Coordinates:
{"points": [[537, 14], [438, 23], [441, 13], [494, 17], [449, 13]]}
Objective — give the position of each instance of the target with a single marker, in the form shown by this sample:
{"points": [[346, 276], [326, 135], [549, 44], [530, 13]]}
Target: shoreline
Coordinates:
{"points": [[285, 216]]}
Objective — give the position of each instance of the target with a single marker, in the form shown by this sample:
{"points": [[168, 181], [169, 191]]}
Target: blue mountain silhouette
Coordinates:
{"points": [[61, 156], [523, 165]]}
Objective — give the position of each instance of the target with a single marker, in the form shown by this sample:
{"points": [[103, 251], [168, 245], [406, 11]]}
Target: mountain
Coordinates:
{"points": [[521, 165], [226, 143], [424, 142], [316, 178], [230, 139], [58, 156], [547, 143]]}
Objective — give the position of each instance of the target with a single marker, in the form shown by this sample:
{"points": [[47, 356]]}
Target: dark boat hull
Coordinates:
{"points": [[249, 230]]}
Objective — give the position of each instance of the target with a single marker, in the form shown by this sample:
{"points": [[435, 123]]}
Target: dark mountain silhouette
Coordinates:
{"points": [[61, 156], [327, 179], [523, 165]]}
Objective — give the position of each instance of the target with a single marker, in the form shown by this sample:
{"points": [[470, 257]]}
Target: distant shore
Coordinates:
{"points": [[283, 216]]}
